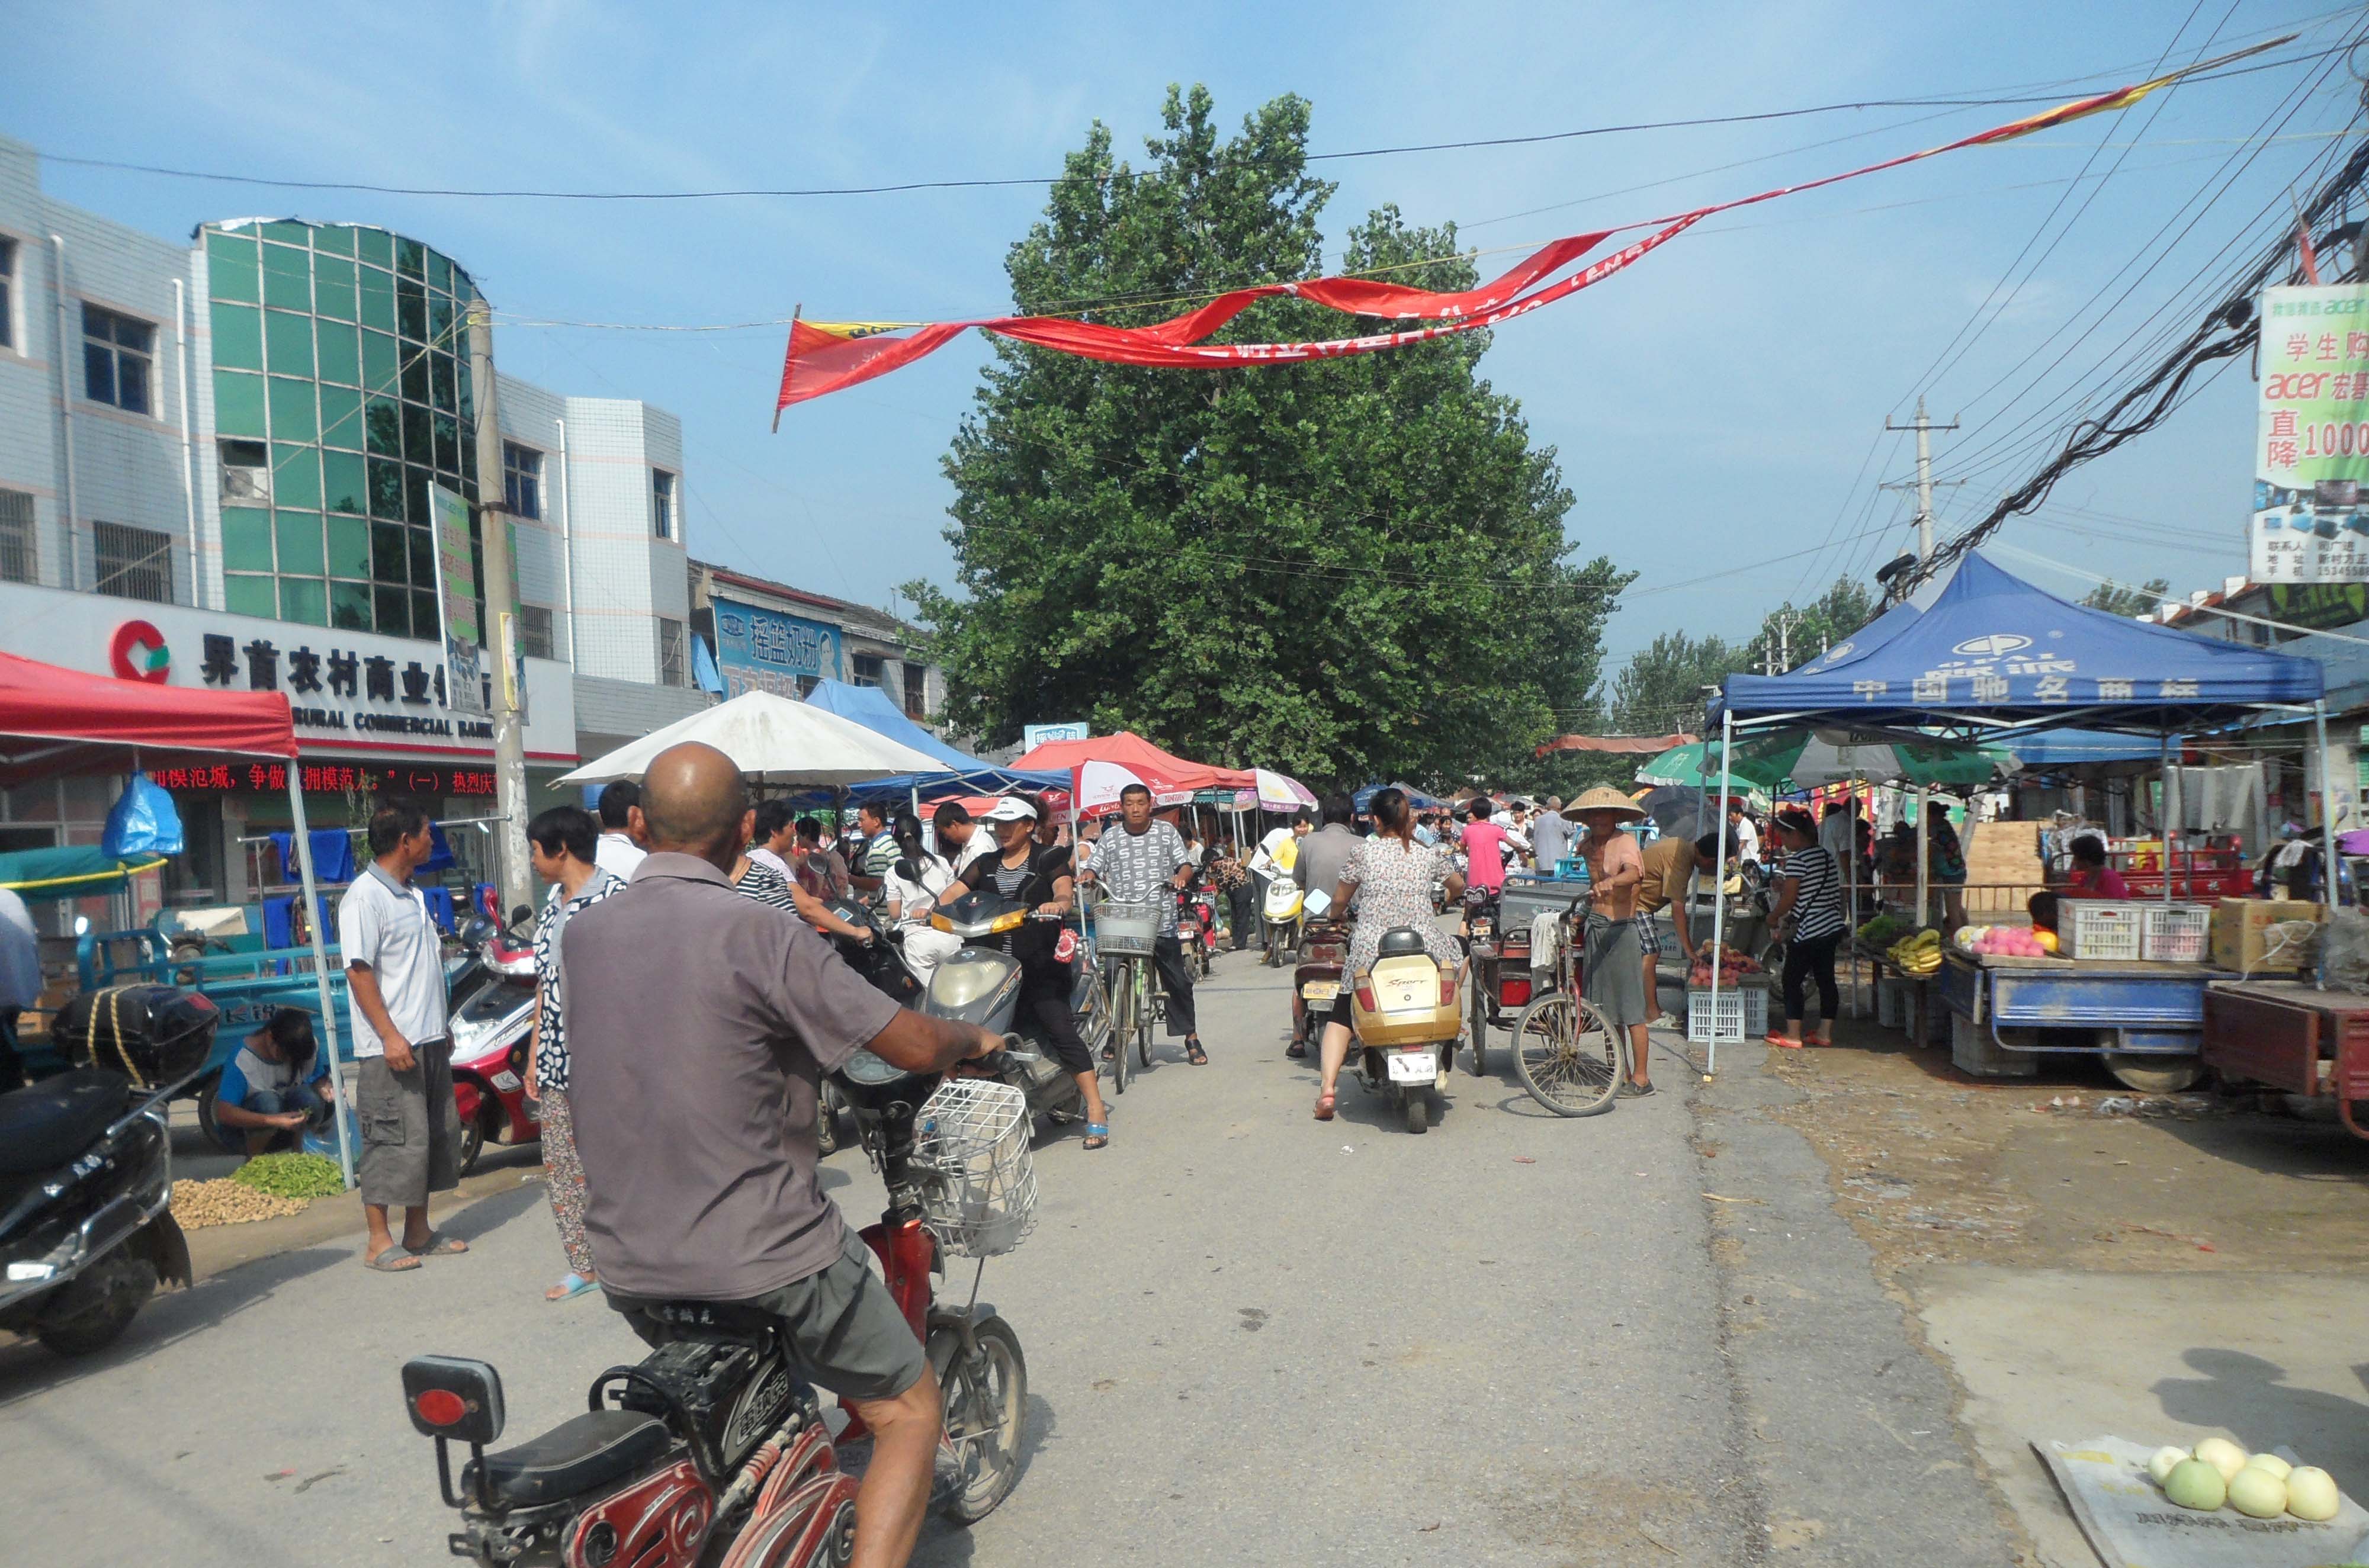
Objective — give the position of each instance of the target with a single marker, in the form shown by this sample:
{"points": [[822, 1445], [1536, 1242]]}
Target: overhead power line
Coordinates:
{"points": [[903, 186]]}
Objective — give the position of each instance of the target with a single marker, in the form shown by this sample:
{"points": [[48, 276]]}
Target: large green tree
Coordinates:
{"points": [[1343, 569]]}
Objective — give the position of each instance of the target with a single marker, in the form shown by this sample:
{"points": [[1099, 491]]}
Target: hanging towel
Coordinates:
{"points": [[333, 854], [1545, 942]]}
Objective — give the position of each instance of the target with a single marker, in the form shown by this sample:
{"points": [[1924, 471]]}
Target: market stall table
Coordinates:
{"points": [[2145, 1019], [2291, 1037]]}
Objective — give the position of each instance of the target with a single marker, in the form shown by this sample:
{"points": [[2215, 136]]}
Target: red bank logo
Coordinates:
{"points": [[138, 653]]}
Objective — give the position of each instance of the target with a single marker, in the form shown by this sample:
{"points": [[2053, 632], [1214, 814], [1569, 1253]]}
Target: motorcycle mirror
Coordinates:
{"points": [[522, 914]]}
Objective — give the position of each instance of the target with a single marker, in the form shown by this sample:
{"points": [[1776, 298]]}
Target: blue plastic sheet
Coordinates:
{"points": [[142, 821]]}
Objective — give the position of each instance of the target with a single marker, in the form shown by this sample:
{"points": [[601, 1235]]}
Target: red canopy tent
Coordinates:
{"points": [[1172, 780], [55, 720]]}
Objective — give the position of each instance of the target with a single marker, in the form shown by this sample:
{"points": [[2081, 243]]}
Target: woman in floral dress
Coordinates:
{"points": [[1390, 877]]}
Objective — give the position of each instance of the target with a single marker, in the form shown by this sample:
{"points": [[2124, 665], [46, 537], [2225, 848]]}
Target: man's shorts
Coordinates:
{"points": [[1649, 935], [410, 1125], [844, 1329]]}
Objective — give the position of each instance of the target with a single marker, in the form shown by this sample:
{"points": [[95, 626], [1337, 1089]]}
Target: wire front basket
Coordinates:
{"points": [[1121, 927], [974, 1134]]}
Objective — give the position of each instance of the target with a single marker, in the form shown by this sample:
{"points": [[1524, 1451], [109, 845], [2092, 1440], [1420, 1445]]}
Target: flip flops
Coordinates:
{"points": [[395, 1260], [571, 1284], [1097, 1135], [440, 1245]]}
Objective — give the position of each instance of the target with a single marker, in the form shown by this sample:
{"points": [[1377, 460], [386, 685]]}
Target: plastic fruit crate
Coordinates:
{"points": [[2097, 928], [2175, 933], [1742, 1014]]}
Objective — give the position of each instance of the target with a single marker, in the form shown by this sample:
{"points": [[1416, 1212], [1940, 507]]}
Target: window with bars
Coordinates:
{"points": [[917, 692], [117, 354], [522, 481], [135, 563], [20, 562], [662, 503], [672, 668], [534, 630], [7, 293]]}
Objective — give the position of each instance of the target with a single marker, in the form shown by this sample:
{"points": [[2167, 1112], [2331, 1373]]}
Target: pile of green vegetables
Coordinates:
{"points": [[291, 1175], [2261, 1486]]}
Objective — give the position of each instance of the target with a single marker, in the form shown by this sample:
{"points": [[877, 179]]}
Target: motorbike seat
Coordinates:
{"points": [[1405, 941], [587, 1451], [52, 1123]]}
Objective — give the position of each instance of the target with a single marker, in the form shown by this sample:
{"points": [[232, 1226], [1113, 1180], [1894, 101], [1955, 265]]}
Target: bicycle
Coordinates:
{"points": [[1567, 1054], [1125, 937]]}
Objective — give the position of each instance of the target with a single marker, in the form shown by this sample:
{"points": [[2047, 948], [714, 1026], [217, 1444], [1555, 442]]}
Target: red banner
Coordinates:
{"points": [[825, 357]]}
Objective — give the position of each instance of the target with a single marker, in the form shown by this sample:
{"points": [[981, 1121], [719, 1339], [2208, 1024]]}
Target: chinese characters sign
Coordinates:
{"points": [[2311, 446], [202, 774], [765, 650]]}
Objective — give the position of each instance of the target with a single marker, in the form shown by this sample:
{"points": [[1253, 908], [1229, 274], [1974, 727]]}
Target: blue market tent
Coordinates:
{"points": [[1995, 653], [2065, 748], [870, 707], [1364, 799]]}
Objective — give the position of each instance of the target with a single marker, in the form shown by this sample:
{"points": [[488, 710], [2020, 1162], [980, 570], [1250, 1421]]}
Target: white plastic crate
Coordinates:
{"points": [[2099, 929], [2175, 933], [1742, 1014], [1893, 996]]}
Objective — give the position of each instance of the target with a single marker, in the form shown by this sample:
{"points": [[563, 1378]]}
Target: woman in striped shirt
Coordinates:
{"points": [[1809, 894]]}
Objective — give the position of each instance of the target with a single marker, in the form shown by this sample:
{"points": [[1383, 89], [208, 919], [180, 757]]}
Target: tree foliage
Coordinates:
{"points": [[2116, 599], [1346, 569]]}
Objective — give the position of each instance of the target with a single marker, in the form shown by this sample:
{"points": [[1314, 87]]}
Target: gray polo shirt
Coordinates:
{"points": [[699, 1026], [383, 925], [1317, 866]]}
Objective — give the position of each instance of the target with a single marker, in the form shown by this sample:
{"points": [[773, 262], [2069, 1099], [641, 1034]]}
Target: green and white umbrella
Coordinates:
{"points": [[1807, 759]]}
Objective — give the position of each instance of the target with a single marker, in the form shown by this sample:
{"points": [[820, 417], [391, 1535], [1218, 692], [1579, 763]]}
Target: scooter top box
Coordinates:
{"points": [[150, 1034]]}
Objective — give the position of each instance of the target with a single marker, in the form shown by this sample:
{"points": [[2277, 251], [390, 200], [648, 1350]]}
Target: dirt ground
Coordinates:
{"points": [[2070, 1170]]}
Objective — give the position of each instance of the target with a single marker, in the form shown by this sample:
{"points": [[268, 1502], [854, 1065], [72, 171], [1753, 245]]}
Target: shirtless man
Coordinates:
{"points": [[1614, 963]]}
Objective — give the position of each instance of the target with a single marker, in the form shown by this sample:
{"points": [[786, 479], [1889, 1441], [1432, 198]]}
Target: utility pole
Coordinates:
{"points": [[1924, 429], [1776, 657], [513, 872]]}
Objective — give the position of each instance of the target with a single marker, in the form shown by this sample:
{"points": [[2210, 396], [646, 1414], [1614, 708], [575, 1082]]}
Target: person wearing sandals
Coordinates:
{"points": [[562, 842], [1613, 968], [1140, 861], [1038, 876], [1390, 877], [1809, 912]]}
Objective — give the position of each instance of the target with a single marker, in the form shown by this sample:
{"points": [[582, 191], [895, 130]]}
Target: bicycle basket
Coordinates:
{"points": [[973, 1133], [1127, 928]]}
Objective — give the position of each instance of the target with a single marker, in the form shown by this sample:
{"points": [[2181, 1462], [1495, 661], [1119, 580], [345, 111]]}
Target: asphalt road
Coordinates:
{"points": [[1251, 1337]]}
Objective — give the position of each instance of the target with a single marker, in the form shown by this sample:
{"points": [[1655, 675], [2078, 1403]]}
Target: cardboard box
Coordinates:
{"points": [[2241, 933]]}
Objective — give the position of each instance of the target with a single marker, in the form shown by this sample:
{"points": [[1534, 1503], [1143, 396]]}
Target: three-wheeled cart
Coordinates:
{"points": [[2288, 1035], [2145, 1019]]}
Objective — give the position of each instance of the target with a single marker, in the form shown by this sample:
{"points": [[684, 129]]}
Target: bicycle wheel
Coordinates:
{"points": [[1143, 1011], [1122, 1019], [1570, 1059]]}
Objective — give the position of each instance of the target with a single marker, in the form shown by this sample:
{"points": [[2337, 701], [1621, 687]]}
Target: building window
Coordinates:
{"points": [[136, 563], [7, 293], [871, 670], [671, 669], [245, 473], [534, 630], [116, 351], [522, 482], [18, 559], [662, 503], [917, 692]]}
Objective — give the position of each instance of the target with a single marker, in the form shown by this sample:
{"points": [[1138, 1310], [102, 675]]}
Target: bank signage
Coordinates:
{"points": [[769, 650], [350, 691]]}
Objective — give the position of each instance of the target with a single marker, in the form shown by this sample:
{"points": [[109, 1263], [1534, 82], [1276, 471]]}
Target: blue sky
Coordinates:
{"points": [[1717, 406]]}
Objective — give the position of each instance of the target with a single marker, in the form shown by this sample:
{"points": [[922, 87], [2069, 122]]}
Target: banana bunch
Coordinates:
{"points": [[1918, 953]]}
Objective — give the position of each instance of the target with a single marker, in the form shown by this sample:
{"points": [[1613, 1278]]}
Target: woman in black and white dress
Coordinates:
{"points": [[1810, 912]]}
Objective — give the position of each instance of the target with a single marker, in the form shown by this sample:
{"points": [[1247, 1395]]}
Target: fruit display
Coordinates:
{"points": [[1920, 953], [1733, 967], [2006, 941], [2262, 1486]]}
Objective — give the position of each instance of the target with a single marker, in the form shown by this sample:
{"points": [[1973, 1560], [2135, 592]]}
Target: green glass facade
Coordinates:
{"points": [[344, 352]]}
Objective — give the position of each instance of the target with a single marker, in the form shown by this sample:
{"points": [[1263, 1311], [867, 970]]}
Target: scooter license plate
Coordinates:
{"points": [[506, 1080], [1415, 1067], [1320, 991]]}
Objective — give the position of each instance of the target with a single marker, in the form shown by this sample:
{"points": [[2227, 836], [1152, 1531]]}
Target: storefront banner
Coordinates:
{"points": [[456, 601], [769, 650], [2311, 438], [1035, 734]]}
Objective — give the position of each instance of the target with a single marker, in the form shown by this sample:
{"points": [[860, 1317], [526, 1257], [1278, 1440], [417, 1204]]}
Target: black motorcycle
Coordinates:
{"points": [[86, 1231]]}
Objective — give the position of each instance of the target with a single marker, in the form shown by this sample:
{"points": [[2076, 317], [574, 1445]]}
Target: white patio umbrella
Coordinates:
{"points": [[775, 740], [1281, 792]]}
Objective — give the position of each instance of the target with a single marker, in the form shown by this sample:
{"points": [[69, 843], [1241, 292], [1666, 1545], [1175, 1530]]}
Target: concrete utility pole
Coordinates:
{"points": [[513, 871], [1924, 429]]}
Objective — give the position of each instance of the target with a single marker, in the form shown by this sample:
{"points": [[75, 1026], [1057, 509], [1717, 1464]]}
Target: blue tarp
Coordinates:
{"points": [[1364, 799], [870, 707], [2062, 748], [1992, 648]]}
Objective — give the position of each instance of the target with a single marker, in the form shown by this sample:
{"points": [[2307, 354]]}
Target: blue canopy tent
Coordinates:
{"points": [[1993, 659], [1363, 800], [2065, 748], [870, 707]]}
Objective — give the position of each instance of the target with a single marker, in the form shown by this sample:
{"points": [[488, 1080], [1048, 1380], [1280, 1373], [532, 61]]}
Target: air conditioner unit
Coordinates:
{"points": [[246, 487]]}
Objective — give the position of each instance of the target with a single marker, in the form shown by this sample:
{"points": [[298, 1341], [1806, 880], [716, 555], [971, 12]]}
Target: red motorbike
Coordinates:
{"points": [[1196, 928], [492, 1024], [713, 1448]]}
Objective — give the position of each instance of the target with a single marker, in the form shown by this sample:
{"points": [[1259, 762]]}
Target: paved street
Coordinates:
{"points": [[1251, 1337]]}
